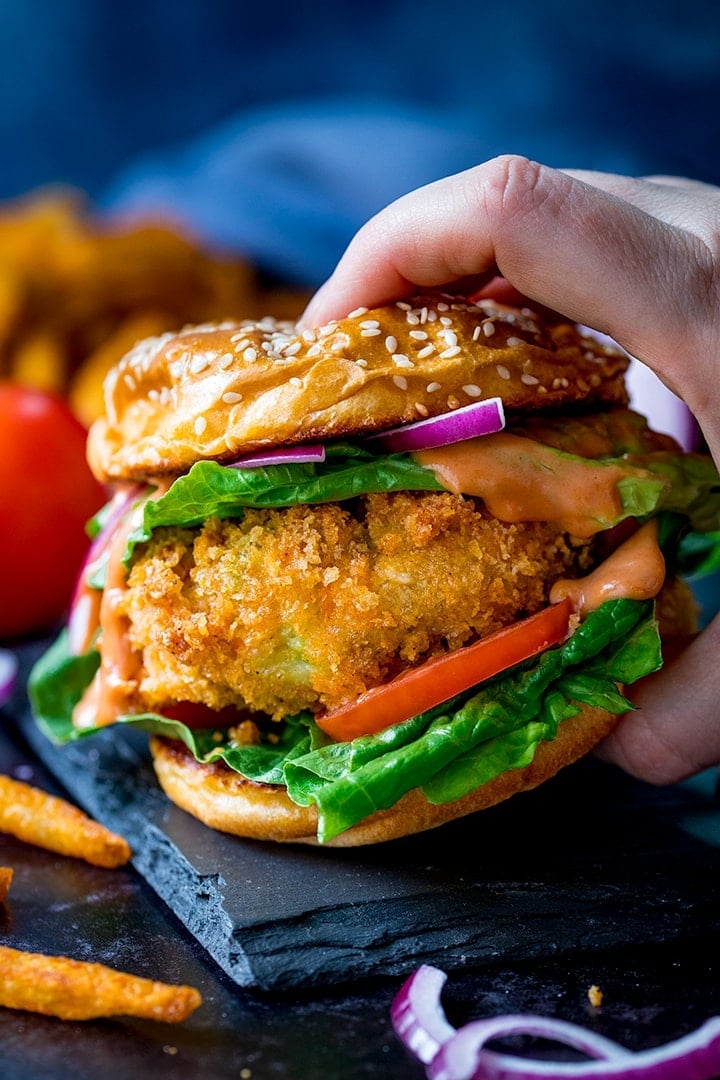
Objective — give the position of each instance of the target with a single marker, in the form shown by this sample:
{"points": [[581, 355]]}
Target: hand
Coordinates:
{"points": [[638, 259]]}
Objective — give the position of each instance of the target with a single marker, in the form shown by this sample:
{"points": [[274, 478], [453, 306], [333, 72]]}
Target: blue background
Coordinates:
{"points": [[278, 128]]}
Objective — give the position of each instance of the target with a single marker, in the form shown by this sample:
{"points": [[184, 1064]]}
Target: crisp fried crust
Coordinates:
{"points": [[308, 607], [216, 392]]}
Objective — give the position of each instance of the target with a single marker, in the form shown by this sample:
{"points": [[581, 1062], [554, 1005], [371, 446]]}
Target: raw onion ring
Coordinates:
{"points": [[308, 453], [450, 1054], [468, 422], [8, 674]]}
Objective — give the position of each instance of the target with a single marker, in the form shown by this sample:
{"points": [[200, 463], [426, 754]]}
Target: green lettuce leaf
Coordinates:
{"points": [[692, 486], [212, 490], [655, 481], [447, 751]]}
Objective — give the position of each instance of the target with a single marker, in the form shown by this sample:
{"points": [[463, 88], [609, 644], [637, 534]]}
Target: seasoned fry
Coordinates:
{"points": [[76, 291], [49, 822], [77, 990], [6, 876]]}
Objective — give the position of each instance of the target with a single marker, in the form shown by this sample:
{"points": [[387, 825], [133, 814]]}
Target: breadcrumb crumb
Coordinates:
{"points": [[308, 607]]}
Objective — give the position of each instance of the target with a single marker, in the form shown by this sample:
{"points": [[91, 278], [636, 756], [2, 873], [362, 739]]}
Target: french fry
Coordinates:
{"points": [[49, 822], [78, 990], [6, 876]]}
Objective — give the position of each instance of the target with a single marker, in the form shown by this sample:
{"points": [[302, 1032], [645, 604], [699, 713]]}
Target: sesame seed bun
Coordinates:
{"points": [[216, 392], [227, 801]]}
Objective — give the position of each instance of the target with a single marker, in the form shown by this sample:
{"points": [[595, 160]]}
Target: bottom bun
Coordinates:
{"points": [[227, 801]]}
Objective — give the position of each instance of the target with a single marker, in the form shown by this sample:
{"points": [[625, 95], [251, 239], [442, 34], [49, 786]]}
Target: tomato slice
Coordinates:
{"points": [[195, 715], [441, 678]]}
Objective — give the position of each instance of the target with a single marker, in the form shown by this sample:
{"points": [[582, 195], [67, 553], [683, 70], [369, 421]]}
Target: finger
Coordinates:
{"points": [[675, 731], [686, 204], [561, 241]]}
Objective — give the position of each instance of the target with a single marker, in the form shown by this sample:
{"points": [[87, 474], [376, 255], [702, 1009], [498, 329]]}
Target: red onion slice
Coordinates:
{"points": [[308, 453], [8, 674], [694, 1057], [417, 1014], [450, 1054], [462, 1057], [85, 602], [479, 418]]}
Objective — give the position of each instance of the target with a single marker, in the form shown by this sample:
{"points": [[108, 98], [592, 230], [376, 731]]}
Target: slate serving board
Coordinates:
{"points": [[590, 861]]}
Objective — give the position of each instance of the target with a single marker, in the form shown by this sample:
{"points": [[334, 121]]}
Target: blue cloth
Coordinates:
{"points": [[278, 127], [289, 185]]}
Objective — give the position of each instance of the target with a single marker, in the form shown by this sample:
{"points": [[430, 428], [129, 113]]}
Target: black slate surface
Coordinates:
{"points": [[590, 861]]}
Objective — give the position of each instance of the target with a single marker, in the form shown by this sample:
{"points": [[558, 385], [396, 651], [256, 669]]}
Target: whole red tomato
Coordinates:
{"points": [[47, 495]]}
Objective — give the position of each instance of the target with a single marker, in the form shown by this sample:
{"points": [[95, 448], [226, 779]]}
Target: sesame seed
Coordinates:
{"points": [[308, 335], [370, 331], [403, 305], [476, 332], [423, 315], [290, 350], [514, 341], [420, 408], [502, 371], [432, 387], [361, 362], [442, 306], [418, 335], [450, 338], [198, 364], [427, 351], [488, 328], [431, 315], [529, 380], [412, 318], [250, 355], [446, 354], [314, 350], [226, 360], [369, 324], [472, 390], [357, 313], [400, 360], [452, 402], [400, 381], [231, 398], [295, 381], [391, 344], [200, 425]]}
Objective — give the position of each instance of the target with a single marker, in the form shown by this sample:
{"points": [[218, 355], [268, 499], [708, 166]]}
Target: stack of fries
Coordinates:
{"points": [[57, 985], [77, 293]]}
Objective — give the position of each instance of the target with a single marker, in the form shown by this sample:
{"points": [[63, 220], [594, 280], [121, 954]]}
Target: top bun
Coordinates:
{"points": [[219, 391]]}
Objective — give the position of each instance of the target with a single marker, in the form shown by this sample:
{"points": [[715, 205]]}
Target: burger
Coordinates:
{"points": [[360, 580]]}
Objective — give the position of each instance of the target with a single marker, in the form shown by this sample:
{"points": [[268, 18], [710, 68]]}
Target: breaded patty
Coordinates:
{"points": [[305, 608]]}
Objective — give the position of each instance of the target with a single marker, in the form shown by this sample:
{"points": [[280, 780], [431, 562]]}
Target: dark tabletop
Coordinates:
{"points": [[593, 879]]}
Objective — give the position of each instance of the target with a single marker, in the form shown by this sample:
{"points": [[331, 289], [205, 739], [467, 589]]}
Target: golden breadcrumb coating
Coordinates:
{"points": [[305, 608]]}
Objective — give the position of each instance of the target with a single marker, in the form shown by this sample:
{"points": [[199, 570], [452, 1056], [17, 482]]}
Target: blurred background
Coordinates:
{"points": [[278, 128], [168, 162]]}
